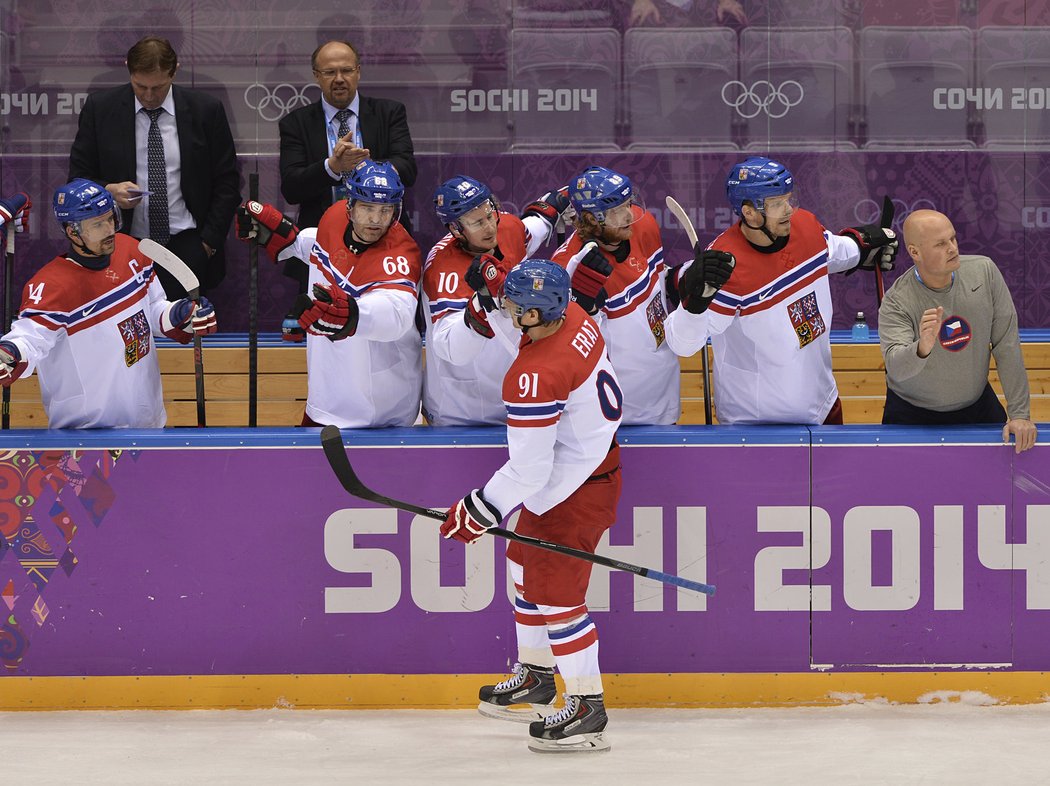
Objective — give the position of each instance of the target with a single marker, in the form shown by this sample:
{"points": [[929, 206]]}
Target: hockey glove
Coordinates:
{"points": [[334, 314], [266, 226], [189, 318], [16, 210], [11, 365], [477, 318], [588, 282], [468, 519], [550, 206], [486, 276], [878, 245], [708, 273]]}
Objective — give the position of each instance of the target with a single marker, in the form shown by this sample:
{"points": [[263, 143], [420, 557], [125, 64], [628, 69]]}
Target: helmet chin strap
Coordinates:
{"points": [[762, 228]]}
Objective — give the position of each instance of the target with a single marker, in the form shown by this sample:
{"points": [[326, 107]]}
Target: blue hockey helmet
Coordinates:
{"points": [[81, 199], [376, 182], [539, 284], [756, 179], [457, 196], [598, 189]]}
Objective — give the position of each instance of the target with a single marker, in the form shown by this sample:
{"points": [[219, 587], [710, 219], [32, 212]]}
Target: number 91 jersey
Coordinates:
{"points": [[373, 378]]}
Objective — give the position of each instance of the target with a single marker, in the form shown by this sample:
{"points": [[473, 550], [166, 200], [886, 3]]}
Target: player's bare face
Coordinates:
{"points": [[337, 73], [151, 87], [371, 220], [618, 222], [98, 235], [779, 210], [479, 227]]}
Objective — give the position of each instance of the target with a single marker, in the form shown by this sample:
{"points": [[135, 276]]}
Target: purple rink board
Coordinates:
{"points": [[227, 558]]}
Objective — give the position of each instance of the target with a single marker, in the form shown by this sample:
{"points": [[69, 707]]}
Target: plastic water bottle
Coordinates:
{"points": [[860, 328]]}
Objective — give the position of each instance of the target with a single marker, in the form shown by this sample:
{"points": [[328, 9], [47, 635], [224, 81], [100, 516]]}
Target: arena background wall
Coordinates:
{"points": [[228, 568], [942, 104]]}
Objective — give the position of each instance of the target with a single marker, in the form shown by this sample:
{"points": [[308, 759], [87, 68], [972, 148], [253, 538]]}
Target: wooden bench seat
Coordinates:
{"points": [[858, 369]]}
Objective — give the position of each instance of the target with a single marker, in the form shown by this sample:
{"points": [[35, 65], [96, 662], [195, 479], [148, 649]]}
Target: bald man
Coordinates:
{"points": [[939, 325]]}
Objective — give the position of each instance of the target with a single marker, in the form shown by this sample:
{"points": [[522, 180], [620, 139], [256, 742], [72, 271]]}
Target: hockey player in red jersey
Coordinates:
{"points": [[563, 406], [363, 352], [768, 318], [87, 320], [616, 261], [470, 341]]}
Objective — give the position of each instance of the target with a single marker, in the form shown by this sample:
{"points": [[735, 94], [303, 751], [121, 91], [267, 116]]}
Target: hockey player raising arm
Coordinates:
{"points": [[768, 317], [939, 327], [616, 261], [563, 407], [470, 340], [363, 352], [88, 318]]}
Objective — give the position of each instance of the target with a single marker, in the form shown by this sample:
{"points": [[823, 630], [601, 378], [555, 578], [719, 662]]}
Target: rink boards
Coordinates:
{"points": [[228, 568]]}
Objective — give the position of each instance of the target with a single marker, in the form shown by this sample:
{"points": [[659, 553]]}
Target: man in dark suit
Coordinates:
{"points": [[167, 156], [322, 141]]}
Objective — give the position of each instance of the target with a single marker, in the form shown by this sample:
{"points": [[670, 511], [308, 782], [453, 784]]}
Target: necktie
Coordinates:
{"points": [[157, 171], [343, 116]]}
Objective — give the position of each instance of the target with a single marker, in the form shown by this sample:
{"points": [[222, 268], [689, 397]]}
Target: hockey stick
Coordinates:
{"points": [[188, 280], [335, 452], [885, 222], [9, 264], [253, 315], [705, 365]]}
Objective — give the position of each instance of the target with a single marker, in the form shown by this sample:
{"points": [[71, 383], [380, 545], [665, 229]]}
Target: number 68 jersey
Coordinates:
{"points": [[373, 378], [563, 408]]}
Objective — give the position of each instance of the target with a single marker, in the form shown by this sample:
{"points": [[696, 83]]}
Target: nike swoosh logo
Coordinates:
{"points": [[88, 310], [976, 288], [763, 295]]}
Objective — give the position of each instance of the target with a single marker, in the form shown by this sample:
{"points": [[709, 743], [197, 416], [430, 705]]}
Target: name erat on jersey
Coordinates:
{"points": [[632, 322], [563, 405]]}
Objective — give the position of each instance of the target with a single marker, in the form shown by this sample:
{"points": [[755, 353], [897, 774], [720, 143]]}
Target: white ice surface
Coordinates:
{"points": [[957, 743]]}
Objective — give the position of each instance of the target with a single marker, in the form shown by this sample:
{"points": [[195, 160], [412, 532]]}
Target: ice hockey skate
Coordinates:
{"points": [[578, 727], [527, 695]]}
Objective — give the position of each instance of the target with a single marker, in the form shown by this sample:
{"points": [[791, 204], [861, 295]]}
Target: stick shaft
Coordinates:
{"points": [[253, 315], [335, 452]]}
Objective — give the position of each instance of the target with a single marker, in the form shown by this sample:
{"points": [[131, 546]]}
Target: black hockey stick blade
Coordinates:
{"points": [[335, 452]]}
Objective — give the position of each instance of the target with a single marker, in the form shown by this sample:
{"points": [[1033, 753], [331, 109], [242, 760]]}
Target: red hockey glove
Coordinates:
{"points": [[878, 245], [16, 209], [485, 276], [266, 226], [11, 364], [468, 519], [334, 314], [588, 281], [477, 318], [550, 206], [708, 273]]}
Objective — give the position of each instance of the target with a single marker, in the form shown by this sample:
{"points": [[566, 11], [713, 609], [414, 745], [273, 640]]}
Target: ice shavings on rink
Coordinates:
{"points": [[954, 742]]}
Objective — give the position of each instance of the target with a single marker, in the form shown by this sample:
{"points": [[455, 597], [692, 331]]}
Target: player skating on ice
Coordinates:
{"points": [[470, 341], [769, 317], [563, 405], [363, 352], [88, 318]]}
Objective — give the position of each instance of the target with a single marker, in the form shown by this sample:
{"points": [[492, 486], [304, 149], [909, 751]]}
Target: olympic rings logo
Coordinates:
{"points": [[276, 103], [868, 211], [762, 96]]}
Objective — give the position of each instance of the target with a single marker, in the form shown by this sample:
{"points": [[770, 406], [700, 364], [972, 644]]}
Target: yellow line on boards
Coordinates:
{"points": [[459, 691]]}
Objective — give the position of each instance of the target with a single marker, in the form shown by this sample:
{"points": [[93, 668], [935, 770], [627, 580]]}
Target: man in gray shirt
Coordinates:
{"points": [[939, 325]]}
